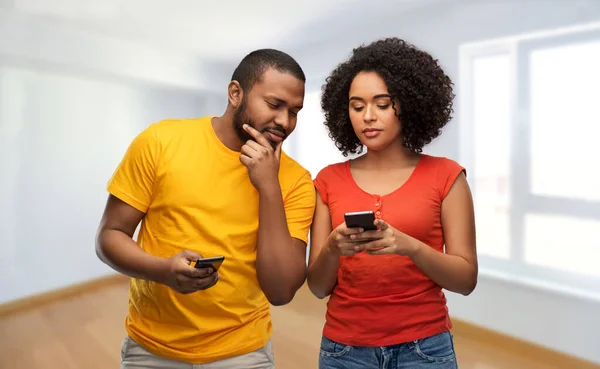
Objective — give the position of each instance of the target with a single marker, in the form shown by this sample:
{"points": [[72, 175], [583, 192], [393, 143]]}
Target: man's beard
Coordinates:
{"points": [[241, 117]]}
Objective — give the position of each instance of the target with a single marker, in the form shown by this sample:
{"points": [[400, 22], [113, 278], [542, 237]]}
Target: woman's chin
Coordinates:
{"points": [[378, 144], [374, 146]]}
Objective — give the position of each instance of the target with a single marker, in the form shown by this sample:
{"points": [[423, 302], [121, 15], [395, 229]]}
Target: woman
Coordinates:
{"points": [[386, 307]]}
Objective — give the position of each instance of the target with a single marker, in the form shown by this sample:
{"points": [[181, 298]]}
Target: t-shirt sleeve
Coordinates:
{"points": [[320, 184], [133, 180], [448, 172], [299, 207]]}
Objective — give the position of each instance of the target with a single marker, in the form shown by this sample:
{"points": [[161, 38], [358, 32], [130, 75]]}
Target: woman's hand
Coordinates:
{"points": [[341, 243], [386, 240]]}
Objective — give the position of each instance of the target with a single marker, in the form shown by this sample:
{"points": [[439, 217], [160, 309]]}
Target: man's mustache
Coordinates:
{"points": [[276, 128]]}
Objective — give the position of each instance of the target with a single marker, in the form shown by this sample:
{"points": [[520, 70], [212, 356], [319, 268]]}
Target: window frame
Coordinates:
{"points": [[522, 200]]}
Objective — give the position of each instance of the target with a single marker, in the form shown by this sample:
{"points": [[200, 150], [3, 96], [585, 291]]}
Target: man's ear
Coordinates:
{"points": [[235, 94]]}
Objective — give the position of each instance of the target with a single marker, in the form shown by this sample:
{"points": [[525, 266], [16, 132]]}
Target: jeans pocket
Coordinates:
{"points": [[437, 348], [333, 349]]}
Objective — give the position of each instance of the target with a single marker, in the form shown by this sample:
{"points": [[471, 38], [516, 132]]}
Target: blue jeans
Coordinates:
{"points": [[430, 352]]}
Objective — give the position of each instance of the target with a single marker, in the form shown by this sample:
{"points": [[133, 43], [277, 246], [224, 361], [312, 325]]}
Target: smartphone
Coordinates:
{"points": [[214, 262], [361, 219]]}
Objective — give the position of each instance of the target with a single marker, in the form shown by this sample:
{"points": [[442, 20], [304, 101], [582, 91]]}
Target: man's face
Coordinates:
{"points": [[271, 107]]}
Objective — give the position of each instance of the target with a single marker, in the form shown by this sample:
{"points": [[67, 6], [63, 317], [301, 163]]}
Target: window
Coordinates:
{"points": [[491, 92], [562, 242], [529, 134], [564, 93]]}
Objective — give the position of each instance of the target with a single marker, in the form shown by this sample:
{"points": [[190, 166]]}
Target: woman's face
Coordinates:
{"points": [[373, 118]]}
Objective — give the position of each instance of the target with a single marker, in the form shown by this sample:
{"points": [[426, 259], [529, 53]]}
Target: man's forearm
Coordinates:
{"points": [[280, 264], [117, 250]]}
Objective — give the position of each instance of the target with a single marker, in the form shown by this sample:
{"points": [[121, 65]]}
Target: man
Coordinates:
{"points": [[215, 186]]}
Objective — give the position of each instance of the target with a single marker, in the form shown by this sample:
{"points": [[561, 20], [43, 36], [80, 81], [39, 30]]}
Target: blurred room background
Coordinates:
{"points": [[80, 78]]}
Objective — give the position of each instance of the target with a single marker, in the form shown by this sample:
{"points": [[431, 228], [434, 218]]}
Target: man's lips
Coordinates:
{"points": [[274, 135]]}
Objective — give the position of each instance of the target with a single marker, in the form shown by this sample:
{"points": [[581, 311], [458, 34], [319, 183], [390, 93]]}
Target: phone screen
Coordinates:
{"points": [[214, 262], [361, 219]]}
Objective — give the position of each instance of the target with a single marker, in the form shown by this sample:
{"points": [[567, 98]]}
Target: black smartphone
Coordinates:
{"points": [[361, 219], [214, 262]]}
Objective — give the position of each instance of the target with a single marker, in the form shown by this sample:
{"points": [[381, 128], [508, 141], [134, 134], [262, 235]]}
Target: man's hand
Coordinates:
{"points": [[184, 278], [261, 160]]}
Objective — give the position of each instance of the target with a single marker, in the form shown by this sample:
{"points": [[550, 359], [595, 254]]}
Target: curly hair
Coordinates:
{"points": [[412, 76]]}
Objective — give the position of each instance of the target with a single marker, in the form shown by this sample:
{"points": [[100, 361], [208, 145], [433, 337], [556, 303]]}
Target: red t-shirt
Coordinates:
{"points": [[383, 300]]}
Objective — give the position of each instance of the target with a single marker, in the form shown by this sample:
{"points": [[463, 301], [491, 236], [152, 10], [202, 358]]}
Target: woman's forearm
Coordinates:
{"points": [[450, 272], [322, 273]]}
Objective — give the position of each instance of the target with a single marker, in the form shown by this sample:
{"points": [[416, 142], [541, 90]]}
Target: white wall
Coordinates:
{"points": [[36, 40], [70, 103], [547, 316], [310, 144]]}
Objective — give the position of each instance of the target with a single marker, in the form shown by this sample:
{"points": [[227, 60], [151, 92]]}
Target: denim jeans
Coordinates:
{"points": [[431, 352]]}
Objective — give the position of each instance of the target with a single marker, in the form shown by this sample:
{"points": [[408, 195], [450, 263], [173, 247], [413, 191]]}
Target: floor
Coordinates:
{"points": [[86, 331]]}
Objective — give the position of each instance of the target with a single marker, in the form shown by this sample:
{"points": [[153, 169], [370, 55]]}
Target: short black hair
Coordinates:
{"points": [[252, 67], [412, 76]]}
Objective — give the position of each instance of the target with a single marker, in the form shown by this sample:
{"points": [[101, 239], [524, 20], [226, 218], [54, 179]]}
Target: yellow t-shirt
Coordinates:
{"points": [[197, 196]]}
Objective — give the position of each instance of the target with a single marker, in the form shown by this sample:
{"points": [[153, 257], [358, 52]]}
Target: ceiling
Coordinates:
{"points": [[215, 29], [218, 30]]}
